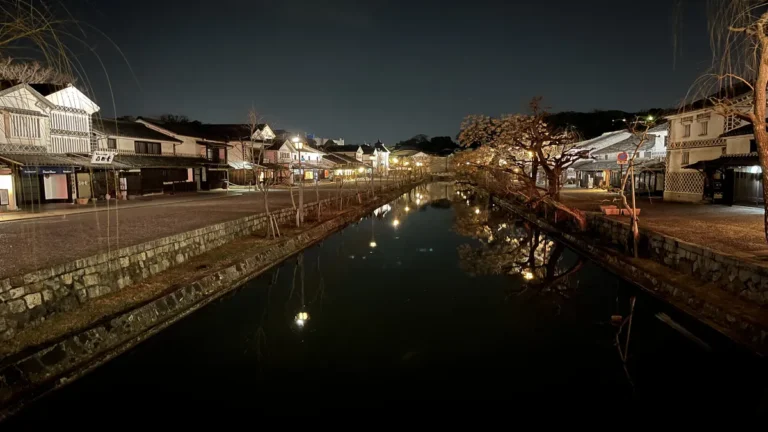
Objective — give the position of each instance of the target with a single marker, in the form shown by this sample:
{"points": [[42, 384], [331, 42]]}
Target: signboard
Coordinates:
{"points": [[4, 199], [102, 157], [622, 158], [47, 170]]}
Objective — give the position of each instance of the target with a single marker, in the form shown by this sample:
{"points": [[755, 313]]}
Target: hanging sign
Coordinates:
{"points": [[102, 157], [47, 170], [622, 158]]}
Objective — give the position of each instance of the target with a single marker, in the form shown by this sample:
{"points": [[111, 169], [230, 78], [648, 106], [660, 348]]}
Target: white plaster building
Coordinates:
{"points": [[711, 157]]}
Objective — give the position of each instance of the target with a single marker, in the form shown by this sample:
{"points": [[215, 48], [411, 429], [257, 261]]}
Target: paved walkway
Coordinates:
{"points": [[735, 230], [27, 245], [63, 209]]}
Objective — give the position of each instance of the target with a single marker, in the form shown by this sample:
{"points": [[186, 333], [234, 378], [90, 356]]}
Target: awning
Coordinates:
{"points": [[726, 161], [55, 160], [158, 161]]}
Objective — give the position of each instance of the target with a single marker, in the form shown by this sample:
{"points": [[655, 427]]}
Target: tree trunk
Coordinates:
{"points": [[761, 136]]}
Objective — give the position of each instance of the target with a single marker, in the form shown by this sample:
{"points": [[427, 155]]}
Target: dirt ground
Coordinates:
{"points": [[734, 230]]}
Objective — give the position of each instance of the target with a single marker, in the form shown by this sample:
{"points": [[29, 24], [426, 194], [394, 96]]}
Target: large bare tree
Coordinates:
{"points": [[739, 38], [521, 146]]}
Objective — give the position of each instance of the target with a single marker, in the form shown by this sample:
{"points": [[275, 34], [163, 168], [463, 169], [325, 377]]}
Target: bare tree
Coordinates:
{"points": [[261, 178], [639, 130], [518, 146], [739, 40]]}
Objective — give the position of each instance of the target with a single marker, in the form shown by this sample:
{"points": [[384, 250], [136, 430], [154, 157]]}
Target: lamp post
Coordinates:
{"points": [[300, 214]]}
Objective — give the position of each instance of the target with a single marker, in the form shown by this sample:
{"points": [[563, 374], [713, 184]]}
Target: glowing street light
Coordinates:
{"points": [[396, 222], [407, 209], [395, 160], [360, 170], [372, 244], [527, 274], [477, 211]]}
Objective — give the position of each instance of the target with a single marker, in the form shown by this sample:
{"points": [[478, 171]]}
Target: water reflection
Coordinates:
{"points": [[517, 248], [454, 301]]}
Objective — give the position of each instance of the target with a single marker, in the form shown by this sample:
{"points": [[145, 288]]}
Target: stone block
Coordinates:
{"points": [[31, 278], [5, 285], [82, 295], [179, 258], [13, 294], [67, 279], [17, 306], [98, 291], [47, 295], [33, 300], [125, 262], [91, 280], [35, 287], [745, 275]]}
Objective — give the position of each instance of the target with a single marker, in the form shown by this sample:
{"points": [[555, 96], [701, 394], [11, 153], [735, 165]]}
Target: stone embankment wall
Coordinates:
{"points": [[678, 287], [747, 280], [30, 298], [30, 374]]}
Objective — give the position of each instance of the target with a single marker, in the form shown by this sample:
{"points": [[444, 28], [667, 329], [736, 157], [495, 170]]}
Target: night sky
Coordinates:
{"points": [[367, 70]]}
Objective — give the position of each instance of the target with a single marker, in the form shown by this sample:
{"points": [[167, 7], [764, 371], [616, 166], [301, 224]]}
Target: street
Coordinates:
{"points": [[42, 242]]}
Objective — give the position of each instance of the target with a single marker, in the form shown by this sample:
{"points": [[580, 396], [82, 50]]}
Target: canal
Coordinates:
{"points": [[436, 296]]}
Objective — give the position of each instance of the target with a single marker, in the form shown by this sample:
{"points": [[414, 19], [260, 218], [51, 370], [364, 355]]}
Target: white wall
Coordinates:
{"points": [[738, 145], [23, 99]]}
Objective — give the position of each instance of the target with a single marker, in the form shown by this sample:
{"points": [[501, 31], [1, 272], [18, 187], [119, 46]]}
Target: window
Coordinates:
{"points": [[71, 122], [703, 126], [212, 154], [686, 130], [606, 157], [686, 158], [24, 126], [145, 147], [647, 154], [285, 155], [723, 150], [112, 143]]}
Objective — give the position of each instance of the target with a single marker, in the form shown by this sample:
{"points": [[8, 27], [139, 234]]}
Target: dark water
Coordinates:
{"points": [[439, 309]]}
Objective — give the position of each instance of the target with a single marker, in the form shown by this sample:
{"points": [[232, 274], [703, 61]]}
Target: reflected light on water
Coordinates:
{"points": [[396, 222], [302, 318], [372, 244]]}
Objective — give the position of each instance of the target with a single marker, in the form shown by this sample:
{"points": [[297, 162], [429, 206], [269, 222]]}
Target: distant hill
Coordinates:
{"points": [[596, 123]]}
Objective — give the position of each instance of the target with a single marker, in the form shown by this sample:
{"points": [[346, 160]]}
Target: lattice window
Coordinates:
{"points": [[70, 122], [24, 126], [67, 144], [691, 182], [731, 123]]}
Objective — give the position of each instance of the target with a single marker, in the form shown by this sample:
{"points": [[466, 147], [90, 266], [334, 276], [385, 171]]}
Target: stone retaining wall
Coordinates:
{"points": [[675, 290], [747, 280], [29, 375], [30, 298]]}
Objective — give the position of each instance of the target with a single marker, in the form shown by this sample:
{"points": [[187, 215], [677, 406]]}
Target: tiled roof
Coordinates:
{"points": [[629, 144], [194, 129], [349, 148], [130, 129]]}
